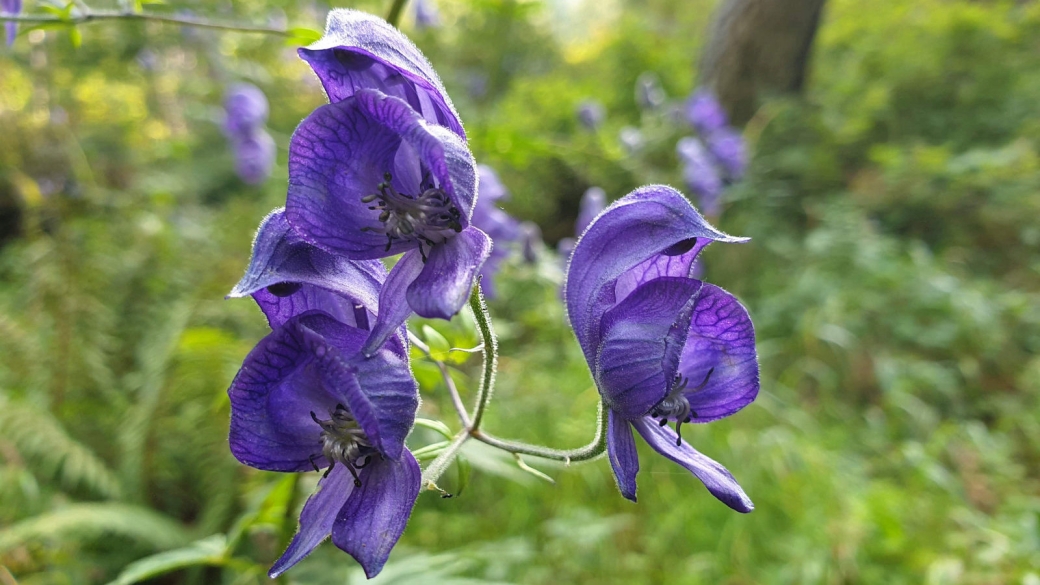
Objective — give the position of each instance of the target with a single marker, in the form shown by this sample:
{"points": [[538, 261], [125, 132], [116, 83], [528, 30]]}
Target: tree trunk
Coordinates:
{"points": [[758, 47]]}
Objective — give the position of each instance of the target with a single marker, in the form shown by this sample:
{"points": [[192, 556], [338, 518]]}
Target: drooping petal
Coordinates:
{"points": [[621, 450], [304, 277], [393, 300], [342, 152], [714, 476], [443, 286], [362, 51], [646, 223], [642, 339], [316, 518], [311, 364], [721, 340], [375, 514]]}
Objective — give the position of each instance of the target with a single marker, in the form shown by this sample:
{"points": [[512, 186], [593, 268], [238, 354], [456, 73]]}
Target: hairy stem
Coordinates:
{"points": [[437, 467], [84, 17], [394, 15], [594, 449], [456, 398], [490, 352]]}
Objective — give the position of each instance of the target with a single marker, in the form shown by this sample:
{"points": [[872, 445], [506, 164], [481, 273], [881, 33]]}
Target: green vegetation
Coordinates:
{"points": [[893, 277]]}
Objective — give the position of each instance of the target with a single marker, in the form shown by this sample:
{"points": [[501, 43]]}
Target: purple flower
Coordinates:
{"points": [[663, 347], [370, 178], [632, 140], [246, 110], [593, 202], [254, 156], [728, 148], [362, 51], [531, 236], [306, 398], [13, 8], [496, 223], [649, 93], [704, 112], [591, 114], [426, 15], [700, 174]]}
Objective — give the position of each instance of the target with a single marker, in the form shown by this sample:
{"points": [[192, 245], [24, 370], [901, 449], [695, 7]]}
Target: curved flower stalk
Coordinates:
{"points": [[370, 178], [501, 227], [306, 398], [360, 51], [663, 347]]}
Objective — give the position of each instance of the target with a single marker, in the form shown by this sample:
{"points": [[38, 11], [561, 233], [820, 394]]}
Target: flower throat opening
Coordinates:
{"points": [[343, 441], [676, 406], [428, 218]]}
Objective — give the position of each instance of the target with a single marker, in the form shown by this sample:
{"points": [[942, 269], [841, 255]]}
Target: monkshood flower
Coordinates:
{"points": [[306, 398], [700, 174], [704, 112], [426, 15], [664, 348], [591, 114], [593, 202], [501, 227], [362, 51], [12, 8], [728, 148], [254, 156], [246, 110], [370, 178]]}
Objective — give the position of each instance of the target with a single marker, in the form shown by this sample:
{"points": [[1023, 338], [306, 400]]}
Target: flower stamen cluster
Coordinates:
{"points": [[429, 217], [676, 405], [343, 441]]}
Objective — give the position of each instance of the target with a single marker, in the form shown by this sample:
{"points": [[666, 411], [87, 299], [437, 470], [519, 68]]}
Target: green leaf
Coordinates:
{"points": [[302, 35], [88, 522], [439, 346], [463, 469], [75, 37], [430, 451], [436, 426], [210, 551]]}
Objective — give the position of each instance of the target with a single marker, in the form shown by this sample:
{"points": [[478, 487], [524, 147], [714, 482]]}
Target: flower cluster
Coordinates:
{"points": [[716, 159], [382, 170], [245, 118]]}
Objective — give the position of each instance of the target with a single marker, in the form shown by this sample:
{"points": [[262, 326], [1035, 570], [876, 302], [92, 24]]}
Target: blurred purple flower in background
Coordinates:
{"points": [[426, 14], [245, 115], [12, 8], [531, 236], [728, 148], [704, 112], [593, 202], [663, 346], [649, 93], [631, 139], [591, 114], [501, 227], [700, 174]]}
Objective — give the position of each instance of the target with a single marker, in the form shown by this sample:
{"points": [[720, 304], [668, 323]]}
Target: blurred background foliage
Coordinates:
{"points": [[893, 277]]}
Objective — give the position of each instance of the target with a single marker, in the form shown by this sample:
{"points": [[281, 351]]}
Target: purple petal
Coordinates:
{"points": [[393, 302], [641, 341], [728, 148], [254, 156], [444, 284], [304, 277], [341, 153], [646, 223], [491, 187], [371, 522], [362, 51], [12, 7], [715, 477], [704, 112], [700, 174], [721, 340], [312, 363], [246, 109], [316, 518], [593, 202], [621, 450]]}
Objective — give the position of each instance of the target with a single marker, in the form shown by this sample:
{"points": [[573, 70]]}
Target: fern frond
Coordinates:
{"points": [[86, 522], [41, 440]]}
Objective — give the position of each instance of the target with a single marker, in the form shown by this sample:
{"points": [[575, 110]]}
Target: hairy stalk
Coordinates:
{"points": [[84, 17], [490, 352], [437, 467], [456, 398], [594, 449], [394, 14]]}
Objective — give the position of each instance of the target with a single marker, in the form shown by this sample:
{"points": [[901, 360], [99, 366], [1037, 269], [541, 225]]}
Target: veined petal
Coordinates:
{"points": [[714, 476], [303, 277], [375, 514], [721, 340], [362, 51], [311, 364], [649, 222], [341, 154], [621, 450], [443, 286], [393, 303], [317, 518], [640, 344]]}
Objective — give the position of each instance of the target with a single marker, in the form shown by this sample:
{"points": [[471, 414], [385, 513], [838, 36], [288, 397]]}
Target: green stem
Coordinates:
{"points": [[586, 453], [490, 351], [437, 467], [456, 398], [394, 15], [100, 15]]}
